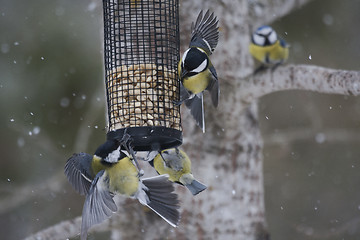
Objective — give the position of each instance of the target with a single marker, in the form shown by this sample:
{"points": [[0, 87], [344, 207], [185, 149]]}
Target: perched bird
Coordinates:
{"points": [[267, 48], [196, 72], [177, 165], [100, 178]]}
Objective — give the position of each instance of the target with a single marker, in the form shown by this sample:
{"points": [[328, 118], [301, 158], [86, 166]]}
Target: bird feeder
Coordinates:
{"points": [[141, 52]]}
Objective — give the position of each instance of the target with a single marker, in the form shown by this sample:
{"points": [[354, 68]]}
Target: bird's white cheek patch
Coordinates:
{"points": [[258, 40], [201, 67], [272, 37], [113, 156]]}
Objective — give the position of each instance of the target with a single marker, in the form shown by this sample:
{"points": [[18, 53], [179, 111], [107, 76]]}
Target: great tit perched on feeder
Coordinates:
{"points": [[267, 48], [100, 179], [196, 72], [177, 165]]}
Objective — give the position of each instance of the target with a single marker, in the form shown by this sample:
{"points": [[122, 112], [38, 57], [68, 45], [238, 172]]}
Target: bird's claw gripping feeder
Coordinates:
{"points": [[141, 50]]}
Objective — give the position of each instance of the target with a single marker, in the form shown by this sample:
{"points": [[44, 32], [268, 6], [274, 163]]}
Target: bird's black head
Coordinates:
{"points": [[106, 148], [194, 61]]}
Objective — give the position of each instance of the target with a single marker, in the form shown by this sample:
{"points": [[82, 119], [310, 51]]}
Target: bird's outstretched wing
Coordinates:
{"points": [[196, 106], [213, 87], [162, 199], [99, 204], [77, 174], [205, 32]]}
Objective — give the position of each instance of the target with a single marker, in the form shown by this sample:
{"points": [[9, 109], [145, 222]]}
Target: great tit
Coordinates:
{"points": [[267, 48], [177, 165], [101, 178], [196, 72]]}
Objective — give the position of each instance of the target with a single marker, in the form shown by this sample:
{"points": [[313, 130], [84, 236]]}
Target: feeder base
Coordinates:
{"points": [[149, 138]]}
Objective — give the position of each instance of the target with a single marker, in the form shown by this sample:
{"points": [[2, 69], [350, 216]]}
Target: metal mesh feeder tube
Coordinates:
{"points": [[141, 52]]}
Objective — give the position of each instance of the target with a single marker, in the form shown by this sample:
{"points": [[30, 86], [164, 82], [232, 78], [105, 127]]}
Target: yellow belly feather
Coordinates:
{"points": [[174, 172], [197, 83], [275, 53], [123, 175]]}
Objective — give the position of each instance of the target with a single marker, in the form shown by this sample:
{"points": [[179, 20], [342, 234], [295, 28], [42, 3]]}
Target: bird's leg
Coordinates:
{"points": [[275, 66], [178, 103], [184, 95], [149, 157], [125, 141], [130, 150], [125, 138], [132, 153]]}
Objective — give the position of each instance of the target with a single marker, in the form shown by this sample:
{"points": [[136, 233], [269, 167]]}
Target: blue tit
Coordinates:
{"points": [[196, 72], [267, 48], [177, 165], [101, 178]]}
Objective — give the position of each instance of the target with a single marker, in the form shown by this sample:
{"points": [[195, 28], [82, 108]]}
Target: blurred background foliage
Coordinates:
{"points": [[52, 104], [311, 154]]}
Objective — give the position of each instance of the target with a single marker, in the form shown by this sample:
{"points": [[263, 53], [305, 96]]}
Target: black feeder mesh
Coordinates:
{"points": [[141, 48]]}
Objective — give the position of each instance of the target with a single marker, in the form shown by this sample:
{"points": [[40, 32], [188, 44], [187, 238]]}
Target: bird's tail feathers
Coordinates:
{"points": [[196, 187], [214, 89], [160, 198], [99, 204], [196, 106]]}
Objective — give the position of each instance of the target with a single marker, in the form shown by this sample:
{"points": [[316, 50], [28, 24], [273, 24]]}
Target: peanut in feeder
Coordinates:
{"points": [[141, 48]]}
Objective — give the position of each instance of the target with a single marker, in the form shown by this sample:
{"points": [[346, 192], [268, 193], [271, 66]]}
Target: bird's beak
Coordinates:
{"points": [[183, 73]]}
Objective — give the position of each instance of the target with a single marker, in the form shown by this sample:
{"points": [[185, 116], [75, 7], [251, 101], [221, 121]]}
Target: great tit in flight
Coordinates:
{"points": [[196, 72]]}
